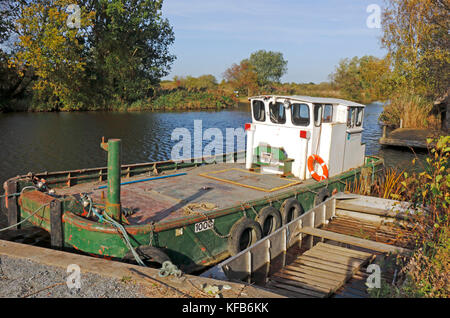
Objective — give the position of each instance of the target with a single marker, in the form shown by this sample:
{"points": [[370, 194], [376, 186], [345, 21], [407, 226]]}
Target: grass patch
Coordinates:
{"points": [[413, 111]]}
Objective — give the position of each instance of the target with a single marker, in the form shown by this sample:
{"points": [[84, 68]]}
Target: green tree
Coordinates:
{"points": [[130, 48], [206, 82], [203, 82], [269, 66]]}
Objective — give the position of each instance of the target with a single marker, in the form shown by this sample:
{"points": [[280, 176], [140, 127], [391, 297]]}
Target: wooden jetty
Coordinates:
{"points": [[408, 137], [324, 252]]}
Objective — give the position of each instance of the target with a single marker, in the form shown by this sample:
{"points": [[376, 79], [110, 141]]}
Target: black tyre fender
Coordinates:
{"points": [[291, 209], [266, 215], [240, 238], [323, 194], [148, 254]]}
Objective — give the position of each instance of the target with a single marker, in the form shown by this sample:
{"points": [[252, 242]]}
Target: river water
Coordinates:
{"points": [[40, 142]]}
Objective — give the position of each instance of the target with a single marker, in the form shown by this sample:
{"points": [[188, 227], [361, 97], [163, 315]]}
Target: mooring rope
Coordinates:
{"points": [[9, 195], [25, 219], [11, 226], [17, 193], [125, 237]]}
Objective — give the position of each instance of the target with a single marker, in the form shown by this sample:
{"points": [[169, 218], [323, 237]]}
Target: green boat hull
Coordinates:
{"points": [[189, 250]]}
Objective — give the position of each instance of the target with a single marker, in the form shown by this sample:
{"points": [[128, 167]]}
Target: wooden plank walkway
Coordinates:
{"points": [[347, 239], [356, 287], [377, 232], [319, 272]]}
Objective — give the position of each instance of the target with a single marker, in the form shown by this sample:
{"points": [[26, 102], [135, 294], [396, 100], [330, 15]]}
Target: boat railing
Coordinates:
{"points": [[269, 255], [255, 263], [72, 177]]}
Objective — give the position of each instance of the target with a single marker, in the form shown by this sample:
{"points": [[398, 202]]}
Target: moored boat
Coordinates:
{"points": [[198, 212]]}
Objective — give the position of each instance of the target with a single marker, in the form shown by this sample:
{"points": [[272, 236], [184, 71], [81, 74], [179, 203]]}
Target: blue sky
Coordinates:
{"points": [[313, 36]]}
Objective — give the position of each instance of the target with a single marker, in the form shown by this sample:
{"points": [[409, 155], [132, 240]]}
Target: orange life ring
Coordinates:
{"points": [[314, 174]]}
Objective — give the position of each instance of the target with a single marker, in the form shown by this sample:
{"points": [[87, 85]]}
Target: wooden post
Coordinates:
{"points": [[268, 260], [323, 214], [69, 180], [13, 209], [309, 240], [283, 261], [56, 225], [384, 131], [323, 217], [299, 227], [333, 209], [249, 267]]}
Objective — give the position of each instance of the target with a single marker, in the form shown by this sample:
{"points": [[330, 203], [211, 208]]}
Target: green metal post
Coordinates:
{"points": [[113, 207]]}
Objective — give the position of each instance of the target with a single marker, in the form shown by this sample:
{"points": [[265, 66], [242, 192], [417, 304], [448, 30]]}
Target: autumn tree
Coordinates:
{"points": [[54, 52], [242, 77], [364, 79], [417, 38], [92, 54]]}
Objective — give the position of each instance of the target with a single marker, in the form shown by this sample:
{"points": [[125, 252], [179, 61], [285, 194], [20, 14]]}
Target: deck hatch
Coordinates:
{"points": [[252, 180]]}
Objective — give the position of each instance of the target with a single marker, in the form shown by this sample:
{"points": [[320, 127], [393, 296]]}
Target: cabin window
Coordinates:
{"points": [[277, 113], [259, 111], [318, 111], [359, 116], [351, 117], [327, 113], [300, 114]]}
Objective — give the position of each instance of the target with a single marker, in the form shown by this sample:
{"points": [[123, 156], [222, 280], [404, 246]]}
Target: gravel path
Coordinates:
{"points": [[24, 278]]}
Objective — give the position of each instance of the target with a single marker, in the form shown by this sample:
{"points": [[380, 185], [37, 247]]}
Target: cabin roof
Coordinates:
{"points": [[320, 100]]}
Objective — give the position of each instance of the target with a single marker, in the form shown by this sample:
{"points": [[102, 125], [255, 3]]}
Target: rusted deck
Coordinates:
{"points": [[169, 198]]}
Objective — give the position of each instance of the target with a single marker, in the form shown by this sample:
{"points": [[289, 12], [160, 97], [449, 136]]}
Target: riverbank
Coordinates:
{"points": [[163, 100], [175, 96]]}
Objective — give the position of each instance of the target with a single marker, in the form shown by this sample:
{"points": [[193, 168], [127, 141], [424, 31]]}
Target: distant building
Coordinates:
{"points": [[442, 108]]}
